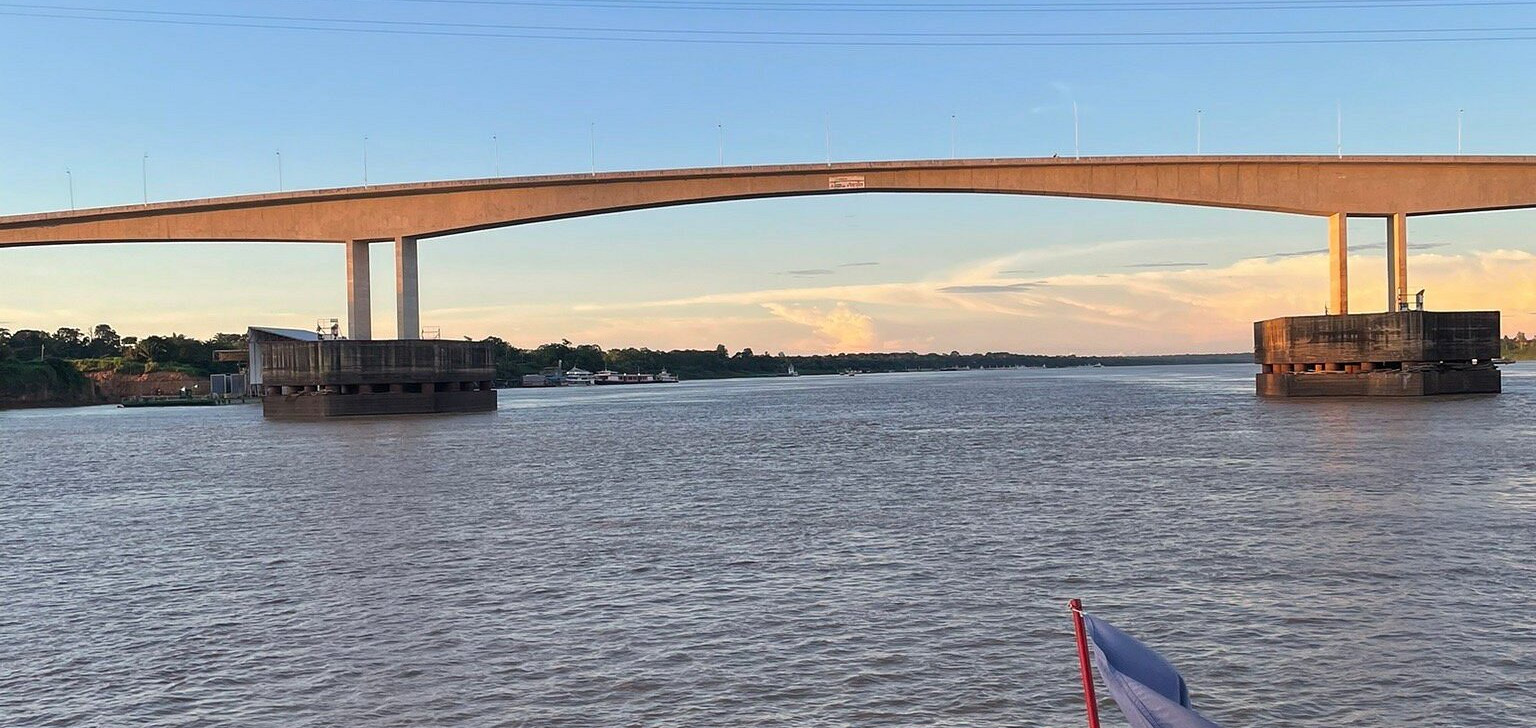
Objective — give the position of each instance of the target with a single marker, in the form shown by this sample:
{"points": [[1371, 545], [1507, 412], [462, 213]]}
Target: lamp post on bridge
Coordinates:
{"points": [[71, 177], [279, 154], [1077, 146], [827, 126], [1459, 113], [1338, 138], [1199, 130], [144, 177]]}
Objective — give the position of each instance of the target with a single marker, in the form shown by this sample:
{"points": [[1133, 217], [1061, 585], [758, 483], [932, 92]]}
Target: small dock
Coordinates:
{"points": [[210, 400]]}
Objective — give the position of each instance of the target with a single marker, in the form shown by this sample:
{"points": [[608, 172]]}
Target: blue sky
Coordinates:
{"points": [[211, 106]]}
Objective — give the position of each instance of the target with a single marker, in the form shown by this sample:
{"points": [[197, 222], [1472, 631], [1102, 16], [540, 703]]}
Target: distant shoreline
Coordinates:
{"points": [[67, 382], [890, 363]]}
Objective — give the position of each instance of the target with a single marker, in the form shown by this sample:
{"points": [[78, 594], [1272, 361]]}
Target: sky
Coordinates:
{"points": [[112, 102]]}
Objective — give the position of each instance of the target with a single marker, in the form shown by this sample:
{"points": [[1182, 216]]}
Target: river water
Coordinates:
{"points": [[881, 550]]}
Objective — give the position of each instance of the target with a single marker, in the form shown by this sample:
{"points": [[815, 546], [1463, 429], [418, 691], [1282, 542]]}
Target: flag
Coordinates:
{"points": [[1147, 688]]}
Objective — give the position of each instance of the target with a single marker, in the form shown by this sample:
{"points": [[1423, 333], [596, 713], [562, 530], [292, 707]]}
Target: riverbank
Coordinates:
{"points": [[48, 383], [60, 383]]}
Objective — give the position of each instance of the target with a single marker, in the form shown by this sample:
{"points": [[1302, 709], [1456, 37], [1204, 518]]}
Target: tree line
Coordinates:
{"points": [[101, 348], [1518, 346], [512, 362]]}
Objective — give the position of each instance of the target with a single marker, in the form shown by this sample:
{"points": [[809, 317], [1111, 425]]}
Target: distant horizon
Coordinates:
{"points": [[571, 342]]}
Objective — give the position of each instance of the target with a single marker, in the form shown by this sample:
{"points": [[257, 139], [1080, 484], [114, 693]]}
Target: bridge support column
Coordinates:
{"points": [[1397, 261], [359, 307], [1338, 263], [407, 293]]}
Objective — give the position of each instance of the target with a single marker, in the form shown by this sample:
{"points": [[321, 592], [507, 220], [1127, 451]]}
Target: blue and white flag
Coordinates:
{"points": [[1145, 686]]}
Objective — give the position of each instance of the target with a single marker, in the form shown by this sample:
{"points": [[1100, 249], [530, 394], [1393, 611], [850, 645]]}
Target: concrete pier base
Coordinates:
{"points": [[1399, 354], [346, 378], [1483, 380]]}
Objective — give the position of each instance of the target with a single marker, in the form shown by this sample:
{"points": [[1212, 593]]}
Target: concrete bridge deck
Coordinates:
{"points": [[1392, 187]]}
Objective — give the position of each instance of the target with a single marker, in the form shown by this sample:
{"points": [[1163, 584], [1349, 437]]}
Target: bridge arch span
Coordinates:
{"points": [[1335, 187]]}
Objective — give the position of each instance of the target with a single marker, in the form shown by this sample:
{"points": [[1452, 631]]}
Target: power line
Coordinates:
{"points": [[790, 38], [993, 7], [687, 32]]}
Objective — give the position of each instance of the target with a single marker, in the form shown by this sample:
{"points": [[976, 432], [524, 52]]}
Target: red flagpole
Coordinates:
{"points": [[1082, 659]]}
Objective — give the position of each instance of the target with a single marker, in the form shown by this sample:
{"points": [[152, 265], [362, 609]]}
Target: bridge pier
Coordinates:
{"points": [[1394, 354], [1338, 263], [359, 307], [1397, 262], [407, 290]]}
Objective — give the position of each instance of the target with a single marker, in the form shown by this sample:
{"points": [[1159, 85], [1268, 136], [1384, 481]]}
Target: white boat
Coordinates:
{"points": [[791, 371], [578, 377], [608, 376]]}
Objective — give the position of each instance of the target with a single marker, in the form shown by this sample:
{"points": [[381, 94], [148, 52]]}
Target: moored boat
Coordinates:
{"points": [[607, 376], [173, 401]]}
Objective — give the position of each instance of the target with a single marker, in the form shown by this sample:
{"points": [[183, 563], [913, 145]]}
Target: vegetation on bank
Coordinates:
{"points": [[36, 362], [38, 368], [1518, 347], [102, 350], [50, 381], [718, 363]]}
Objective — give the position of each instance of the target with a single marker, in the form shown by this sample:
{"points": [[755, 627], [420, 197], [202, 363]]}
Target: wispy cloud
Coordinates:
{"points": [[1206, 308], [1323, 251], [1016, 272], [1169, 264], [807, 272], [1295, 253], [860, 264], [992, 287]]}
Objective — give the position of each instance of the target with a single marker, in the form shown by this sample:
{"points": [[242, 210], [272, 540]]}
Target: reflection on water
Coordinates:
{"points": [[890, 550]]}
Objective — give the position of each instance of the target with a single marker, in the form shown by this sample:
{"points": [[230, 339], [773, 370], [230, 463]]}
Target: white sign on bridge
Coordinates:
{"points": [[846, 182]]}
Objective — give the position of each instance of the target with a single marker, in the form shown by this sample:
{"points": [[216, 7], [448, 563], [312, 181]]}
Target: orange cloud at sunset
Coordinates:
{"points": [[984, 307]]}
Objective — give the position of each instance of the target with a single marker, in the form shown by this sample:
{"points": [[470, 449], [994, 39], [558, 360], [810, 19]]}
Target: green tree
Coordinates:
{"points": [[175, 349], [68, 343], [227, 341], [29, 344], [104, 342]]}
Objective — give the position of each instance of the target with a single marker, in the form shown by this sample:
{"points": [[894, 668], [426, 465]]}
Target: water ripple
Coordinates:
{"points": [[888, 550]]}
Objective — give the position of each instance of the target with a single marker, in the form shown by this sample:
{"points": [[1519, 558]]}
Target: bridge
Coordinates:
{"points": [[1391, 187]]}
